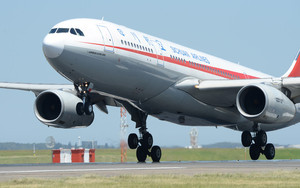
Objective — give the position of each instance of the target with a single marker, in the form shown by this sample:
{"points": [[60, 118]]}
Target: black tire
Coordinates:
{"points": [[88, 109], [141, 154], [133, 141], [261, 138], [254, 151], [79, 109], [269, 151], [246, 138], [155, 153], [147, 140]]}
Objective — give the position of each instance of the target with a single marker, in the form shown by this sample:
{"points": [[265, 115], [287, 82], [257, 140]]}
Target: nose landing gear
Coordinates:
{"points": [[259, 146], [83, 91]]}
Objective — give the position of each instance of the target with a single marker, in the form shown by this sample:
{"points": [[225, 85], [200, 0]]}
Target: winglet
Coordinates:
{"points": [[294, 70]]}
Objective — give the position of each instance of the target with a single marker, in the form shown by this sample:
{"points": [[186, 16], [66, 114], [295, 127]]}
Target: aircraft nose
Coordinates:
{"points": [[53, 46]]}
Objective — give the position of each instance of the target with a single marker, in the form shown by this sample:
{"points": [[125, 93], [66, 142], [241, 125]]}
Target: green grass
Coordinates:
{"points": [[25, 156], [257, 180], [113, 155], [245, 180]]}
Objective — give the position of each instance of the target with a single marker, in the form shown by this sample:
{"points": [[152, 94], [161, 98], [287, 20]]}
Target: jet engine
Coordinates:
{"points": [[264, 104], [60, 109]]}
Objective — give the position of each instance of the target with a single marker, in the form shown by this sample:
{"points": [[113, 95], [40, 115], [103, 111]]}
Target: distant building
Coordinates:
{"points": [[89, 144], [297, 146]]}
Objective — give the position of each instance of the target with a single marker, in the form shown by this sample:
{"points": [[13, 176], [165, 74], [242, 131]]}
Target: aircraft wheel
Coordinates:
{"points": [[147, 140], [254, 151], [79, 109], [261, 138], [246, 138], [141, 154], [88, 108], [155, 153], [269, 151], [133, 141]]}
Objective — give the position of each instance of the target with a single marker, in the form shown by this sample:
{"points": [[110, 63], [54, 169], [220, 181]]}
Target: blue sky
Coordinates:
{"points": [[262, 35]]}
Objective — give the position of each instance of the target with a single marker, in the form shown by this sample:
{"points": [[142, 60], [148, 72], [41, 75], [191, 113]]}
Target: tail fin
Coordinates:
{"points": [[294, 70]]}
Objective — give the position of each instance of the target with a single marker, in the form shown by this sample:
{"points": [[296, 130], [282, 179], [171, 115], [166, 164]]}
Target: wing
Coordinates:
{"points": [[223, 93], [100, 99], [35, 88]]}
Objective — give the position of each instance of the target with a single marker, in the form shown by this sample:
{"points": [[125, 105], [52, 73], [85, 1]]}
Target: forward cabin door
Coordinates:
{"points": [[107, 39], [160, 52]]}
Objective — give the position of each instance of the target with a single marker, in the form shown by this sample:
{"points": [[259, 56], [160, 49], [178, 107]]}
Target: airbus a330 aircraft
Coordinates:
{"points": [[112, 65]]}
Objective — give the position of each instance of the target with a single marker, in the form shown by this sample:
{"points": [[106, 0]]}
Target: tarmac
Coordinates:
{"points": [[189, 168]]}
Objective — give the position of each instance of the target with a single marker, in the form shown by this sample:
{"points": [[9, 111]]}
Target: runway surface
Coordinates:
{"points": [[8, 172]]}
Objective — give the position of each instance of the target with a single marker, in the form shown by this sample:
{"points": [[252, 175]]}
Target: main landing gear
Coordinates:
{"points": [[143, 143], [259, 146], [83, 91], [143, 146]]}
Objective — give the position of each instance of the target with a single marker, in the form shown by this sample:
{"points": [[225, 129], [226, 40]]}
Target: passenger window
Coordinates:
{"points": [[72, 31], [62, 30], [79, 32], [53, 30], [122, 41], [125, 42]]}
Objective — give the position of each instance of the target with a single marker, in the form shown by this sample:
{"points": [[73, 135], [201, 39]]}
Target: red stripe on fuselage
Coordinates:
{"points": [[201, 67]]}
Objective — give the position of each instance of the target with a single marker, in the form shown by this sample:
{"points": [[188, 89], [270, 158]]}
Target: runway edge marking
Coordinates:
{"points": [[89, 170]]}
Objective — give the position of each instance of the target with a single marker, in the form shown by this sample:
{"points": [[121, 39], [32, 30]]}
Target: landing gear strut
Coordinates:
{"points": [[258, 145], [143, 143], [83, 91]]}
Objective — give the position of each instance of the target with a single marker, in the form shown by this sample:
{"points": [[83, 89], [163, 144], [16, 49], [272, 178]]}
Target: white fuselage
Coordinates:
{"points": [[144, 69]]}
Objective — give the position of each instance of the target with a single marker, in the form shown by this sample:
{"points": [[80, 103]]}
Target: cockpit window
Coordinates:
{"points": [[53, 30], [62, 30], [79, 32], [72, 31]]}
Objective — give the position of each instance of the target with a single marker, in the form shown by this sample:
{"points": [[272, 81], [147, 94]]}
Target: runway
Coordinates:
{"points": [[8, 172]]}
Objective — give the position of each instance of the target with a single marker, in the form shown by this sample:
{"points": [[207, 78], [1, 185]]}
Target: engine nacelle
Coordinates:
{"points": [[58, 109], [265, 104]]}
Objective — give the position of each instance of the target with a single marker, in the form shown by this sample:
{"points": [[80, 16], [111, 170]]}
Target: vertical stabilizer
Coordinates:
{"points": [[294, 70]]}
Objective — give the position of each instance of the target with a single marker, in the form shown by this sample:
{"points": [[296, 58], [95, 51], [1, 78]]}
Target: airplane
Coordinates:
{"points": [[112, 65]]}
